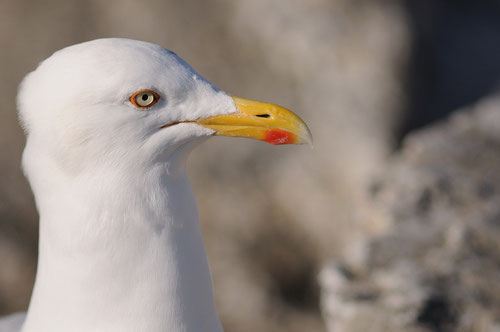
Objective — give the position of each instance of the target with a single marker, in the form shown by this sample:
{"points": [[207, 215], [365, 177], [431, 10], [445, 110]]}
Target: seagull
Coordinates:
{"points": [[109, 126]]}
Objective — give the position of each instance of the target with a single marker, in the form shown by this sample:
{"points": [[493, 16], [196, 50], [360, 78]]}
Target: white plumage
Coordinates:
{"points": [[120, 243]]}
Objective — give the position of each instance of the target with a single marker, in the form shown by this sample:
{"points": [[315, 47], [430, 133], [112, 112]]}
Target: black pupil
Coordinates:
{"points": [[145, 97]]}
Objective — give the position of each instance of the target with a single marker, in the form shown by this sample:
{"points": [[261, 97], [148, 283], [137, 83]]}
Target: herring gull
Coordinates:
{"points": [[109, 126]]}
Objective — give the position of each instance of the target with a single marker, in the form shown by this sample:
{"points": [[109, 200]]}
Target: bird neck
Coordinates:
{"points": [[121, 251]]}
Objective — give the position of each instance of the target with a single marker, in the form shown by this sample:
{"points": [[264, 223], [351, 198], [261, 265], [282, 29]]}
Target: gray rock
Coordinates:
{"points": [[436, 264]]}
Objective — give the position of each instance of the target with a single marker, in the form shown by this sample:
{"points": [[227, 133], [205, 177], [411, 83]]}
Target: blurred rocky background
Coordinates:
{"points": [[390, 223], [435, 266]]}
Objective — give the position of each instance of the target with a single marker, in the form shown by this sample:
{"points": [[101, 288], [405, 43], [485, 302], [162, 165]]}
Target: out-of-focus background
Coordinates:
{"points": [[391, 222]]}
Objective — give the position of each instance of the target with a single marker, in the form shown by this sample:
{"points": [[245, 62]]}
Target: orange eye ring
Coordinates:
{"points": [[144, 99]]}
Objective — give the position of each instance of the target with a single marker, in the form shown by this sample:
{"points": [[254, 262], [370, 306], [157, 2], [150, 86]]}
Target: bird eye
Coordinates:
{"points": [[144, 98]]}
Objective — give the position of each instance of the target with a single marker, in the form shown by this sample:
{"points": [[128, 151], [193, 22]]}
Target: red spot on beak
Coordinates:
{"points": [[278, 136]]}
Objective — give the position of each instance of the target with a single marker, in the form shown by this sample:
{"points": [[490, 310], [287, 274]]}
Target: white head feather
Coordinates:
{"points": [[76, 104]]}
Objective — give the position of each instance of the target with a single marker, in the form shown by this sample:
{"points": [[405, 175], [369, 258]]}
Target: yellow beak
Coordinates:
{"points": [[266, 122]]}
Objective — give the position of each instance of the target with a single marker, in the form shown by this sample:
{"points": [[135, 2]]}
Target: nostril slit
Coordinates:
{"points": [[263, 115]]}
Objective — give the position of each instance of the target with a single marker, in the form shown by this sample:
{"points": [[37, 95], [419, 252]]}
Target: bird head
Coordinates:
{"points": [[124, 102]]}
